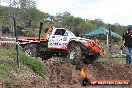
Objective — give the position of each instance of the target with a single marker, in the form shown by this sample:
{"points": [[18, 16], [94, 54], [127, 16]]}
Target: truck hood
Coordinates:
{"points": [[92, 44], [82, 40]]}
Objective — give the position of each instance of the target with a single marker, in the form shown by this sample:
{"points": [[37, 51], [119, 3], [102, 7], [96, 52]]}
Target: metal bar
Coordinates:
{"points": [[15, 28], [109, 41], [40, 29]]}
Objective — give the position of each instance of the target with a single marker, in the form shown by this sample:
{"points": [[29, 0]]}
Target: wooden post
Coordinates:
{"points": [[15, 28], [121, 52], [107, 40], [107, 35], [109, 44]]}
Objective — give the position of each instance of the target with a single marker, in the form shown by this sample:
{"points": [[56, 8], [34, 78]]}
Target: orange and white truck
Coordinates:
{"points": [[61, 42]]}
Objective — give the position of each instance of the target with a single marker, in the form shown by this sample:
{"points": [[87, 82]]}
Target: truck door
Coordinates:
{"points": [[58, 39]]}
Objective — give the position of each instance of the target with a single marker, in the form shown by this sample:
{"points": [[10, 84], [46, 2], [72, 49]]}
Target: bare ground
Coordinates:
{"points": [[61, 74], [65, 75]]}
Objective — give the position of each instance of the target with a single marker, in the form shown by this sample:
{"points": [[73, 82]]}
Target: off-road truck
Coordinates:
{"points": [[62, 43]]}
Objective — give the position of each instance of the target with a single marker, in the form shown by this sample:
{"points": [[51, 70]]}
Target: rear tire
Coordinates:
{"points": [[75, 55], [46, 57], [30, 50]]}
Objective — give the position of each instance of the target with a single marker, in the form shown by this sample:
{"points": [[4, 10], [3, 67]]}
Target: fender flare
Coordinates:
{"points": [[73, 41]]}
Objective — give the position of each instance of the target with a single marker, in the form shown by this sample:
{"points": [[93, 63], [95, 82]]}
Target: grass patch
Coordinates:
{"points": [[105, 58], [8, 66], [33, 63], [120, 60], [115, 59], [5, 68], [36, 65]]}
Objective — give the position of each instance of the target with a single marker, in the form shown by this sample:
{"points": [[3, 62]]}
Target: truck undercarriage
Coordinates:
{"points": [[76, 53]]}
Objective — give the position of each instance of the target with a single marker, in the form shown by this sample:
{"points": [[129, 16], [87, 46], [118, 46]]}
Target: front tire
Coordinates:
{"points": [[75, 55]]}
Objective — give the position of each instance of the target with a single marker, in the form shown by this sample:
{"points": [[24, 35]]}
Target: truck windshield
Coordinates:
{"points": [[60, 32], [71, 34]]}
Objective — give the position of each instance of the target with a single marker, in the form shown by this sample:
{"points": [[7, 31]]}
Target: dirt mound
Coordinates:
{"points": [[61, 73], [111, 70], [65, 75], [25, 79], [29, 81]]}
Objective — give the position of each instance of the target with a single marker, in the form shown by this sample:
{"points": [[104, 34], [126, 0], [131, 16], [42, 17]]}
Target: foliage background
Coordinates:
{"points": [[29, 17]]}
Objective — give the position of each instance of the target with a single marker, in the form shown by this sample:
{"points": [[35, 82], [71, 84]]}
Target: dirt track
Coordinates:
{"points": [[64, 75], [61, 74]]}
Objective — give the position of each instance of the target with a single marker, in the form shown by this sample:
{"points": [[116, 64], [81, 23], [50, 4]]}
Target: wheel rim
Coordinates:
{"points": [[72, 55], [28, 52]]}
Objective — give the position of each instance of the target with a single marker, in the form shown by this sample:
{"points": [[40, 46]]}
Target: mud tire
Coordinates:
{"points": [[75, 55], [30, 50]]}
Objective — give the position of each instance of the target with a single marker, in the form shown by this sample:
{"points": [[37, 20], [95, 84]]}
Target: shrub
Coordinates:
{"points": [[33, 63]]}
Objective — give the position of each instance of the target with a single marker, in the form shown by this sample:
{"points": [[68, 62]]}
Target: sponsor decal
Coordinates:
{"points": [[65, 39], [55, 43], [64, 44]]}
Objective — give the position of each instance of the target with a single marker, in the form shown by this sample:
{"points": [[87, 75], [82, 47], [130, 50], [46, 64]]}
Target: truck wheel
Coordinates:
{"points": [[46, 57], [30, 50], [75, 54]]}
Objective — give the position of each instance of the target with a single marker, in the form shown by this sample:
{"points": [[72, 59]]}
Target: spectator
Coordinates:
{"points": [[127, 37]]}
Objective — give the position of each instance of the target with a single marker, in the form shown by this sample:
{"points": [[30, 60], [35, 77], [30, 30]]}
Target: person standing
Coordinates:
{"points": [[127, 38]]}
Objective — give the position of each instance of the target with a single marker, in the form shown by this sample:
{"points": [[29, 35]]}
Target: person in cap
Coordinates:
{"points": [[127, 37]]}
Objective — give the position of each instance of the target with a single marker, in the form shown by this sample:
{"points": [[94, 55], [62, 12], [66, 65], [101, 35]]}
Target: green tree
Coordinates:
{"points": [[58, 17], [98, 22], [66, 14], [68, 21], [27, 4]]}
